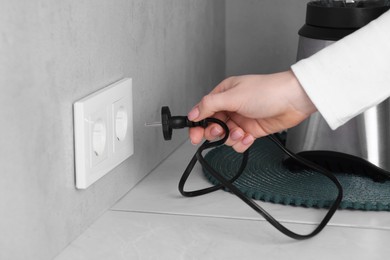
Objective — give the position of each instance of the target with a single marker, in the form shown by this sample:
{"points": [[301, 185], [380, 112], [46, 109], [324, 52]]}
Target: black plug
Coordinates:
{"points": [[176, 122]]}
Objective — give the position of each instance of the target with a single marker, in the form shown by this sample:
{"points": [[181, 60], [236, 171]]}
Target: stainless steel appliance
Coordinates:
{"points": [[362, 144]]}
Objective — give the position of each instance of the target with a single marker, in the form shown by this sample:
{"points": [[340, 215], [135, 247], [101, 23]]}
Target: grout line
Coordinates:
{"points": [[249, 219]]}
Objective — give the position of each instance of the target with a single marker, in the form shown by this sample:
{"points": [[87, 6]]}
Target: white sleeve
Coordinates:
{"points": [[351, 75]]}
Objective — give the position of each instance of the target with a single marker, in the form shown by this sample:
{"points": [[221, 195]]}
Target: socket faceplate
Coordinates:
{"points": [[103, 127]]}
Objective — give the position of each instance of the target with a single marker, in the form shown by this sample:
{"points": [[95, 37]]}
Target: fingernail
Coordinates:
{"points": [[247, 140], [193, 114], [236, 135], [215, 131]]}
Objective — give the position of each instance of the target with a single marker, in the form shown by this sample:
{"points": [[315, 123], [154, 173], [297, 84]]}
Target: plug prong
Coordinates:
{"points": [[154, 124]]}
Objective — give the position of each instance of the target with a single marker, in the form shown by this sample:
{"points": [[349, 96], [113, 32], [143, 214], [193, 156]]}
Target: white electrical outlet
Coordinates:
{"points": [[97, 127], [123, 123], [103, 127]]}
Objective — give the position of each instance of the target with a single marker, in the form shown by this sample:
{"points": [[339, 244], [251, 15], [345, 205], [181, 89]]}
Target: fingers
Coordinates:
{"points": [[244, 144], [212, 103], [254, 127], [220, 99], [196, 135], [238, 139], [212, 132]]}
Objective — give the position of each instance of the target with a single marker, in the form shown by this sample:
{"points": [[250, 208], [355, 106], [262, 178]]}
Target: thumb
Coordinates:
{"points": [[211, 104]]}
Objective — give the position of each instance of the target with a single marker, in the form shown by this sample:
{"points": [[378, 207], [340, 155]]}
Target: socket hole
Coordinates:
{"points": [[121, 123], [99, 137]]}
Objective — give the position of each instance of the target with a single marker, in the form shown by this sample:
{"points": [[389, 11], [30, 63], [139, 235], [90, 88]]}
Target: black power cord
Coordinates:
{"points": [[175, 122]]}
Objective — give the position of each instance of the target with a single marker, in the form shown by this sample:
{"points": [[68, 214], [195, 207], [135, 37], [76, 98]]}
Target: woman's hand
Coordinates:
{"points": [[252, 106]]}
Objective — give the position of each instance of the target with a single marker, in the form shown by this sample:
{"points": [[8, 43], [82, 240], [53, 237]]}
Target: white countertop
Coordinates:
{"points": [[153, 221]]}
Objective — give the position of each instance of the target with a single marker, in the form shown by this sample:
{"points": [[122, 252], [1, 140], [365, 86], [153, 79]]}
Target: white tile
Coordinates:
{"points": [[158, 193], [126, 235]]}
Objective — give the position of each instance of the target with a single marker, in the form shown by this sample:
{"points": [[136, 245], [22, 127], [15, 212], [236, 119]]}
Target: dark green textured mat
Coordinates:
{"points": [[266, 178]]}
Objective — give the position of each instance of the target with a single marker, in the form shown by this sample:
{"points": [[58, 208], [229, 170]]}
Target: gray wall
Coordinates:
{"points": [[261, 35], [53, 53]]}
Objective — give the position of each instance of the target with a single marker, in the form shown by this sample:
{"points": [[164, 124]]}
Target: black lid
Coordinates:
{"points": [[325, 17]]}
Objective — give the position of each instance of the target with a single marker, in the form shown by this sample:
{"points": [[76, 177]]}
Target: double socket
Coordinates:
{"points": [[103, 127]]}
